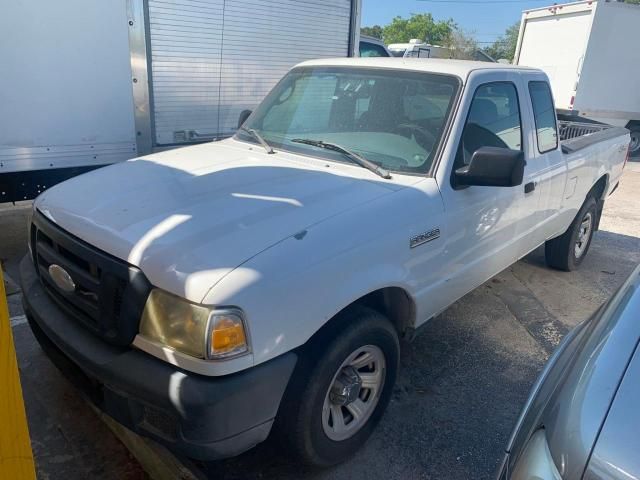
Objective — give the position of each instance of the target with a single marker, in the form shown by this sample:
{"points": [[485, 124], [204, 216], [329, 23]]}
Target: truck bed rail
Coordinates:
{"points": [[578, 133], [569, 129]]}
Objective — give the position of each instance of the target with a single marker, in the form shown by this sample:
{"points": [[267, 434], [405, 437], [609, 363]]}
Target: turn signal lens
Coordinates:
{"points": [[227, 335]]}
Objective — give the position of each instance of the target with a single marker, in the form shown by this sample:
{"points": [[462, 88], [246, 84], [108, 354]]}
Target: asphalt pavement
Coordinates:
{"points": [[463, 379]]}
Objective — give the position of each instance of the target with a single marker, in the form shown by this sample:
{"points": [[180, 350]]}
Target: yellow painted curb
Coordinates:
{"points": [[16, 457]]}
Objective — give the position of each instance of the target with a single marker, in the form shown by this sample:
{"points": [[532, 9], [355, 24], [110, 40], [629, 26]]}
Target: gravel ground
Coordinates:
{"points": [[462, 383]]}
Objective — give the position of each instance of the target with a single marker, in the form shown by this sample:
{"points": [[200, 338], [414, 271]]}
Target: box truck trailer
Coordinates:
{"points": [[590, 52], [86, 84]]}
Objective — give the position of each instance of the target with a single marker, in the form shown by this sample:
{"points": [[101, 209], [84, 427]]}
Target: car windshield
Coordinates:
{"points": [[393, 118]]}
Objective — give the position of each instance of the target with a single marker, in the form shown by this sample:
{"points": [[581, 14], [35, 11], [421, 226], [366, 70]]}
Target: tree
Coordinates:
{"points": [[505, 46], [375, 31], [419, 25], [463, 46]]}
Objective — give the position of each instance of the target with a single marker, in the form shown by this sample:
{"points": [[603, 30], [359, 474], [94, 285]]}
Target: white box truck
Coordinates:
{"points": [[590, 51], [85, 84]]}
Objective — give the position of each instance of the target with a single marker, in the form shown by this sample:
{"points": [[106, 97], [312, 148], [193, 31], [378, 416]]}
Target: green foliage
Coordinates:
{"points": [[375, 31], [635, 2], [461, 45], [505, 46], [422, 26]]}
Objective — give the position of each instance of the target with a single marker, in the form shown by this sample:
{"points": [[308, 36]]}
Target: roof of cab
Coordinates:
{"points": [[460, 68]]}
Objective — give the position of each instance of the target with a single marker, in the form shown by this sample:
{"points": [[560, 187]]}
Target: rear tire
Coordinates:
{"points": [[567, 251], [634, 144], [314, 420]]}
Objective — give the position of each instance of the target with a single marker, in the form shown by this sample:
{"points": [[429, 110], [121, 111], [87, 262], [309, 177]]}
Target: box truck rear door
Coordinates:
{"points": [[556, 44], [212, 59]]}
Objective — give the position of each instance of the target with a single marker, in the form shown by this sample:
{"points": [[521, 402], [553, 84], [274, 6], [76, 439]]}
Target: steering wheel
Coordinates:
{"points": [[423, 137]]}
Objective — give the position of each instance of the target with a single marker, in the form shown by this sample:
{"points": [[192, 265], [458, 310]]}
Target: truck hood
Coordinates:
{"points": [[188, 217]]}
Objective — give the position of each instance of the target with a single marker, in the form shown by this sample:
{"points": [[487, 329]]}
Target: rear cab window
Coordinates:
{"points": [[544, 114]]}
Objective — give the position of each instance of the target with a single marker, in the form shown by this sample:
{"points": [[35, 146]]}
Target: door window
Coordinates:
{"points": [[544, 114], [493, 121]]}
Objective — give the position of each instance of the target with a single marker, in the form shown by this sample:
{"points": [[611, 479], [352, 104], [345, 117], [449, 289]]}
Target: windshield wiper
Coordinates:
{"points": [[259, 138], [359, 159]]}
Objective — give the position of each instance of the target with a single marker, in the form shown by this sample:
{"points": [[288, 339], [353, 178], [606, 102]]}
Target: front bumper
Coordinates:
{"points": [[201, 417]]}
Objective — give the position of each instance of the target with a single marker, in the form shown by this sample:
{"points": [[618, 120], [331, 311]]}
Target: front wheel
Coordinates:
{"points": [[568, 250], [341, 388]]}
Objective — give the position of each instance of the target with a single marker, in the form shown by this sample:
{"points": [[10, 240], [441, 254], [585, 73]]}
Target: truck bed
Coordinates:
{"points": [[578, 133]]}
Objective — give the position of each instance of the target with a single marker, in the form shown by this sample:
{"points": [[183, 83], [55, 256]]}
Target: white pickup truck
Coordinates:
{"points": [[204, 295]]}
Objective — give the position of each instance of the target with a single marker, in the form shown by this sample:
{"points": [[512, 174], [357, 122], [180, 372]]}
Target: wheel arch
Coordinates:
{"points": [[599, 188], [394, 302], [598, 192]]}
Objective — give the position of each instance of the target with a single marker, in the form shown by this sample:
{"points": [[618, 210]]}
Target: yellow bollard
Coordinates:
{"points": [[16, 457]]}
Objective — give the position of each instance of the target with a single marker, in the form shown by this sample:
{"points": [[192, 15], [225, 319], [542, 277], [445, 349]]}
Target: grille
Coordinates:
{"points": [[159, 422], [109, 294]]}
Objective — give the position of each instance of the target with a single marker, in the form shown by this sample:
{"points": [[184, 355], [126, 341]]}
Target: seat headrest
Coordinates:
{"points": [[483, 112]]}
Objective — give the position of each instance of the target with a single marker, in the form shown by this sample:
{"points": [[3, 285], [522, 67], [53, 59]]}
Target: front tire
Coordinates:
{"points": [[341, 388], [567, 251]]}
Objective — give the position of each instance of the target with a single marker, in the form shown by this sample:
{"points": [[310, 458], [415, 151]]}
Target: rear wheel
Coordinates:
{"points": [[340, 389], [568, 250], [634, 144]]}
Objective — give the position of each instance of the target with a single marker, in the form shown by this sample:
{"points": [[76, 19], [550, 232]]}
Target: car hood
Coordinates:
{"points": [[187, 217]]}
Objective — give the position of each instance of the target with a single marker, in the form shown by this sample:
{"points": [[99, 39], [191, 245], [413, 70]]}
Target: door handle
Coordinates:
{"points": [[529, 187]]}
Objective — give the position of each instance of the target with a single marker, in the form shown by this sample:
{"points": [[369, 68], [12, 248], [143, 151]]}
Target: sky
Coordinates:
{"points": [[487, 19]]}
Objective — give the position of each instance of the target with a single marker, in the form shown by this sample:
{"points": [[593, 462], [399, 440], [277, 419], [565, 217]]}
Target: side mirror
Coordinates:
{"points": [[244, 114], [492, 167]]}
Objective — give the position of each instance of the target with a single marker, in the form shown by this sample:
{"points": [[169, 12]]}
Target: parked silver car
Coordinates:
{"points": [[582, 418]]}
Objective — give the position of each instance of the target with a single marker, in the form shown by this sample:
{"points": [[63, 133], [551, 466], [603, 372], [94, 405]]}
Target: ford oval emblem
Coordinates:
{"points": [[61, 278]]}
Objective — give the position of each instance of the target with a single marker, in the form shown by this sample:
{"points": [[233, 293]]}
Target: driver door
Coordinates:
{"points": [[482, 222]]}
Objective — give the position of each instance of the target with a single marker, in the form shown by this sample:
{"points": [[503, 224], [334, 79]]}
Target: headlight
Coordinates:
{"points": [[196, 330], [536, 462]]}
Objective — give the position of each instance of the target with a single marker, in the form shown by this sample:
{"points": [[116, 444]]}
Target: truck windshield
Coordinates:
{"points": [[393, 118]]}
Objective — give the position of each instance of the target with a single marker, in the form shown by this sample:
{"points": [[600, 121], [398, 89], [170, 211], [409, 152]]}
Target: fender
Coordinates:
{"points": [[332, 265]]}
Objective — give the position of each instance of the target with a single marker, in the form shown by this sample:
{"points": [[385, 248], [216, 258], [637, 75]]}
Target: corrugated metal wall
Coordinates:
{"points": [[186, 47], [211, 59]]}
